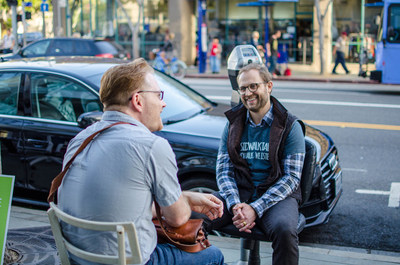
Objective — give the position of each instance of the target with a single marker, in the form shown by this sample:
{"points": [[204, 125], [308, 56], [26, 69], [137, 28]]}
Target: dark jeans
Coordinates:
{"points": [[165, 254], [273, 61], [279, 224], [340, 60]]}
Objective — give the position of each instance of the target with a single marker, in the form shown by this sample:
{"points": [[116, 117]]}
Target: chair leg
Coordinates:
{"points": [[254, 257], [244, 249]]}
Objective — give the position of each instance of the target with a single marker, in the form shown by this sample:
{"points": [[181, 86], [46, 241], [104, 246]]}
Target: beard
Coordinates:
{"points": [[255, 102]]}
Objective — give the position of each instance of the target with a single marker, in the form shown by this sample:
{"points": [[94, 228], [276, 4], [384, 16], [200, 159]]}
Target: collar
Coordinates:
{"points": [[116, 116], [266, 120]]}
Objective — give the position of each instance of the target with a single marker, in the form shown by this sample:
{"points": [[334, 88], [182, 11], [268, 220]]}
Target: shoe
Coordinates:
{"points": [[348, 72], [334, 73]]}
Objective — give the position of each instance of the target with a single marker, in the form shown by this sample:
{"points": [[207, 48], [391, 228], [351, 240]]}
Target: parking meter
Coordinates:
{"points": [[240, 56]]}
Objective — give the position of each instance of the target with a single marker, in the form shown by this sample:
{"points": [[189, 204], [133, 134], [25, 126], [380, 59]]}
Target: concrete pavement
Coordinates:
{"points": [[299, 72], [30, 237]]}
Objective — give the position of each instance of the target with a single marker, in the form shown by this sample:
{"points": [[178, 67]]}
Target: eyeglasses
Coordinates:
{"points": [[252, 88], [160, 93]]}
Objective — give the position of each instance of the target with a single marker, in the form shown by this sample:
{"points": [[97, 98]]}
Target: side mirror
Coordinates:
{"points": [[21, 53], [88, 118]]}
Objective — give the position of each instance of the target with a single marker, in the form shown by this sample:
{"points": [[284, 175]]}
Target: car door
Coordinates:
{"points": [[56, 102], [62, 47], [11, 121]]}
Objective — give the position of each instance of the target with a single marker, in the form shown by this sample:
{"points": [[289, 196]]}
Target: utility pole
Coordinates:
{"points": [[44, 7], [202, 35], [23, 24], [13, 4]]}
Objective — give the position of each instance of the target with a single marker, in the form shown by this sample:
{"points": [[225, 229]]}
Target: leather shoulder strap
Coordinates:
{"points": [[58, 179]]}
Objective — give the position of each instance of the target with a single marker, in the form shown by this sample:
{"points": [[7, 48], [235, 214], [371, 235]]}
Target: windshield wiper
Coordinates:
{"points": [[167, 122]]}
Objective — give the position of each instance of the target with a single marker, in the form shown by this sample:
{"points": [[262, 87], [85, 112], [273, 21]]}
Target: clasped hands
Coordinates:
{"points": [[244, 217]]}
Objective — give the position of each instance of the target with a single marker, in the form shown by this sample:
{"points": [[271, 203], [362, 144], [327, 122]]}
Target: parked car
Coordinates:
{"points": [[44, 103], [71, 47], [29, 37]]}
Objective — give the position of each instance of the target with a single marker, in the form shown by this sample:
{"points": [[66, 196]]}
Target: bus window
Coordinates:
{"points": [[393, 30]]}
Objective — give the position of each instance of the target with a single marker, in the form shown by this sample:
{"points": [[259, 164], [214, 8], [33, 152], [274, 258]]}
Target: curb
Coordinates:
{"points": [[295, 79]]}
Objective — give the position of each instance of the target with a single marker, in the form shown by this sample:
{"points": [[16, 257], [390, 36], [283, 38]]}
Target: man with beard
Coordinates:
{"points": [[259, 165]]}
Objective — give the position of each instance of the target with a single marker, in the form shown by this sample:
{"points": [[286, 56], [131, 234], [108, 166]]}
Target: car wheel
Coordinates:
{"points": [[200, 184], [178, 69]]}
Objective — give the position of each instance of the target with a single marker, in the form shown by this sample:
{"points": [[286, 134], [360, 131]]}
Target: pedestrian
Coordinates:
{"points": [[167, 47], [8, 42], [215, 56], [272, 53], [339, 49], [125, 168], [259, 165], [255, 36]]}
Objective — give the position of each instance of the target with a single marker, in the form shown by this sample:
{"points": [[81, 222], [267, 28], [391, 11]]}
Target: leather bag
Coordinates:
{"points": [[189, 237]]}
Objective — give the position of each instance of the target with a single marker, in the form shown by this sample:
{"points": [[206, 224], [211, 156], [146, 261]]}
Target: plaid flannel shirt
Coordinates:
{"points": [[285, 186]]}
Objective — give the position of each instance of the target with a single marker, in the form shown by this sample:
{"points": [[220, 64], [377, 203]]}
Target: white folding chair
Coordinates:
{"points": [[63, 246]]}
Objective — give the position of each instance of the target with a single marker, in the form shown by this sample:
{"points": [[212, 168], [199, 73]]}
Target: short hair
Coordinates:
{"points": [[261, 68], [120, 81]]}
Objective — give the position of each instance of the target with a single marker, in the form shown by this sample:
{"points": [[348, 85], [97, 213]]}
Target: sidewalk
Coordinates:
{"points": [[30, 236], [299, 72]]}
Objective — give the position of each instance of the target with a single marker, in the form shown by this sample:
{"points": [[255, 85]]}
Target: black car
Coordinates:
{"points": [[61, 46], [44, 103]]}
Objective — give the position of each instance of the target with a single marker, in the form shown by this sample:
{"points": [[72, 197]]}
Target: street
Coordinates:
{"points": [[364, 122]]}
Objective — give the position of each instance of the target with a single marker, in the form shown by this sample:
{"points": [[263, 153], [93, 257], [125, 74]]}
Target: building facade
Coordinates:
{"points": [[232, 21]]}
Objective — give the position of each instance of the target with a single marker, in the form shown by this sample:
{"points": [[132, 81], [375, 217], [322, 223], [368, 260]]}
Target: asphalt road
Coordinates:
{"points": [[364, 122]]}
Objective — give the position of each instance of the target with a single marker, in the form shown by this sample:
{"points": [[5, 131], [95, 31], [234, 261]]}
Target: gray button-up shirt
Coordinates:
{"points": [[115, 178]]}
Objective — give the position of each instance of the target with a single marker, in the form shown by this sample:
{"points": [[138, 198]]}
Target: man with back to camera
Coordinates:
{"points": [[259, 166], [117, 176]]}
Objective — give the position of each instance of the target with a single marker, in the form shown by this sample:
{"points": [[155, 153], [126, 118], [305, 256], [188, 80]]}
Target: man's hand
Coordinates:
{"points": [[244, 217], [205, 203]]}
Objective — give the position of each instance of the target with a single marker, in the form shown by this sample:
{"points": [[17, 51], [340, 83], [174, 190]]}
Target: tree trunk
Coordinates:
{"points": [[322, 35]]}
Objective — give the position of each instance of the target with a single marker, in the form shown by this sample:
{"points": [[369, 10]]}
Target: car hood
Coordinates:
{"points": [[202, 131]]}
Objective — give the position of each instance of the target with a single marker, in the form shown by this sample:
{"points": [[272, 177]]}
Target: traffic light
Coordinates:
{"points": [[12, 2], [28, 15]]}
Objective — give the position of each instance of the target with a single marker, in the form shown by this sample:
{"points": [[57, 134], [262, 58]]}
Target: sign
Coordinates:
{"points": [[6, 191], [44, 7], [28, 4], [62, 3]]}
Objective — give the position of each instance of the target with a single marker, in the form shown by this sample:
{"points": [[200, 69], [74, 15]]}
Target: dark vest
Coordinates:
{"points": [[280, 129]]}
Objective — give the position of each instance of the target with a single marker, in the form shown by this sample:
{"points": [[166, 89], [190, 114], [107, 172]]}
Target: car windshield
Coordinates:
{"points": [[182, 102]]}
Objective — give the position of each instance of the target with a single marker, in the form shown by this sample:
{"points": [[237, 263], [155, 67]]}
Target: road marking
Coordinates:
{"points": [[394, 198], [355, 169], [340, 103], [354, 125], [334, 123], [222, 98], [320, 102], [394, 194], [374, 192]]}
